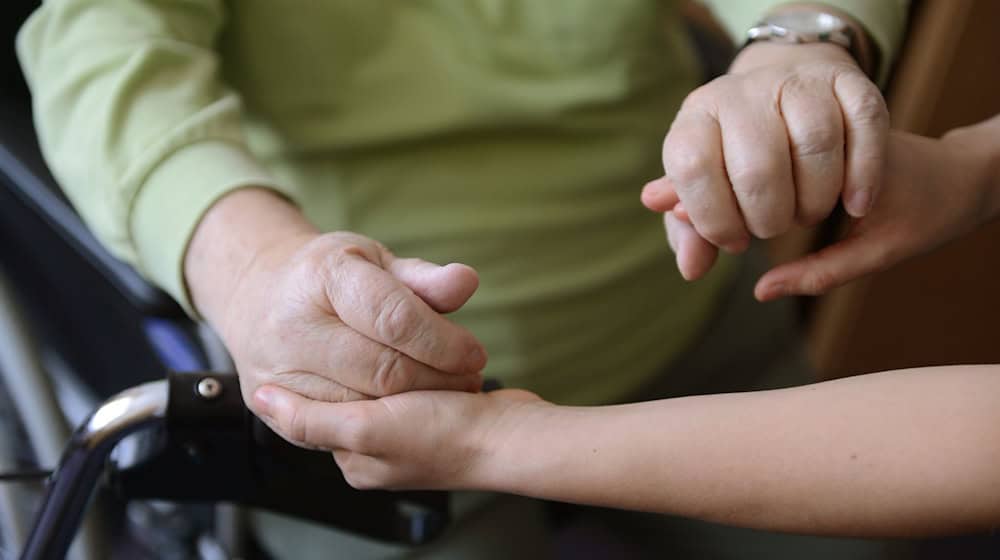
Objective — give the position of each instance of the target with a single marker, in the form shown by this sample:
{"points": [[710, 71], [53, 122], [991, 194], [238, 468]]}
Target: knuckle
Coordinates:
{"points": [[396, 322], [752, 183], [705, 94], [816, 140], [340, 393], [870, 108], [389, 376], [296, 426], [721, 232], [684, 164]]}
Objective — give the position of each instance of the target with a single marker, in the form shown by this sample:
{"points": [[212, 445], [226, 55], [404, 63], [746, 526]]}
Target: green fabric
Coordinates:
{"points": [[512, 135]]}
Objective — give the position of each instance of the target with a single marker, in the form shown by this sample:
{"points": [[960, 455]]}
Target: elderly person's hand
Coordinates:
{"points": [[776, 142], [935, 190], [331, 317]]}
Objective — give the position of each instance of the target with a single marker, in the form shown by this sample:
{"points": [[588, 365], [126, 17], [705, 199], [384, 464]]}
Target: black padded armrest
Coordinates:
{"points": [[23, 172]]}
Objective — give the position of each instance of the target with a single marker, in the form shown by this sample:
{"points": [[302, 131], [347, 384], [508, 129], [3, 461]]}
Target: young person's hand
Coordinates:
{"points": [[332, 317], [776, 142], [422, 439]]}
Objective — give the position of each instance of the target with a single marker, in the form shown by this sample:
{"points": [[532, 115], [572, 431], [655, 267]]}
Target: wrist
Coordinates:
{"points": [[809, 23], [762, 54], [978, 147], [511, 448], [230, 238]]}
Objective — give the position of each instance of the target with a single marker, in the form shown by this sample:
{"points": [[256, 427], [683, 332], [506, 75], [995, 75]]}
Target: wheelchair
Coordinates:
{"points": [[85, 341]]}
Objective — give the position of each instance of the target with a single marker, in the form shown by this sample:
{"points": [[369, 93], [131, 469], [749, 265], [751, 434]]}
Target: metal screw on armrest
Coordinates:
{"points": [[209, 388]]}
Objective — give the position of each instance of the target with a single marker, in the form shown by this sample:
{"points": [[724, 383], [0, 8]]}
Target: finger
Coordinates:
{"points": [[377, 305], [693, 161], [695, 256], [350, 358], [816, 138], [760, 170], [306, 422], [826, 269], [659, 195], [866, 127], [681, 212], [320, 388], [444, 288], [363, 472]]}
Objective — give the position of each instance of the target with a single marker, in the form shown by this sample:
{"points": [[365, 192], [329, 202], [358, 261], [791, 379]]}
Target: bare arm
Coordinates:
{"points": [[913, 452], [899, 453]]}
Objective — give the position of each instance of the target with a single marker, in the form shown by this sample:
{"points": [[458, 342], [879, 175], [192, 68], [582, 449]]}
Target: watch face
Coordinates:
{"points": [[811, 23]]}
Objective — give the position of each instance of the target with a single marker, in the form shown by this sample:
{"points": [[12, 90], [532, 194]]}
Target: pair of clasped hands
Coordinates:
{"points": [[338, 341]]}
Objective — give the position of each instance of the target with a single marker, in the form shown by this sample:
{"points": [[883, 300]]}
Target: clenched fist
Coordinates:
{"points": [[775, 143]]}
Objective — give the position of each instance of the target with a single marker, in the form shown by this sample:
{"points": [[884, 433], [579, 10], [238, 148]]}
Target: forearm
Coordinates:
{"points": [[136, 123], [228, 239], [900, 453]]}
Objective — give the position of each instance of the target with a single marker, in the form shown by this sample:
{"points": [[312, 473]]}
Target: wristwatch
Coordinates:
{"points": [[815, 26]]}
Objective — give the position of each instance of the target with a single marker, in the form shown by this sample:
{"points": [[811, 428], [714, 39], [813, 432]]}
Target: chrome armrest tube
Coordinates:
{"points": [[69, 489]]}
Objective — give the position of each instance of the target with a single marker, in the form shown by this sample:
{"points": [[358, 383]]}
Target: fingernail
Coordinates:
{"points": [[264, 398], [859, 203], [775, 291], [476, 359], [681, 269]]}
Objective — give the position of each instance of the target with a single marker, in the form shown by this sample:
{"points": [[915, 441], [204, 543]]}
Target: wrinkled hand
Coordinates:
{"points": [[935, 191], [337, 317], [418, 440], [774, 143]]}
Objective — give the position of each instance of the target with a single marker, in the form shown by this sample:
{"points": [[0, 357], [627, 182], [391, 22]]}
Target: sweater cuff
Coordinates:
{"points": [[174, 197]]}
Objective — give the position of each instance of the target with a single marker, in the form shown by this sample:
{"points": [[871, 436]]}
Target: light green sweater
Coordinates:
{"points": [[511, 135]]}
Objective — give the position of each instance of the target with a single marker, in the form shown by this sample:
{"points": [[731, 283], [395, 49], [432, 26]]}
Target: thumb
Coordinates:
{"points": [[306, 422], [444, 288], [856, 256]]}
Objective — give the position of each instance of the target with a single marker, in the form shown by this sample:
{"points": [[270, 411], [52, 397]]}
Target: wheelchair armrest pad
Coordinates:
{"points": [[23, 172]]}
